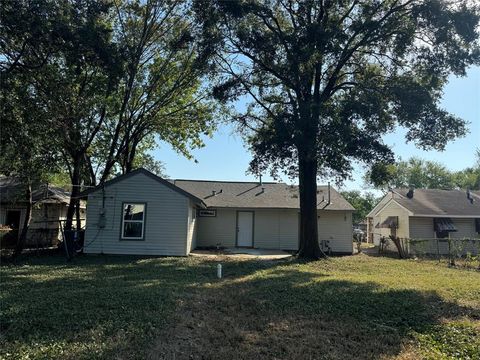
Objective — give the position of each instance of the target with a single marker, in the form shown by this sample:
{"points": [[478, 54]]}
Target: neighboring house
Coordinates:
{"points": [[49, 209], [426, 214], [141, 213]]}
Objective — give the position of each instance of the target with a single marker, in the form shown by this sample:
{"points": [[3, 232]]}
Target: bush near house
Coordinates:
{"points": [[175, 308]]}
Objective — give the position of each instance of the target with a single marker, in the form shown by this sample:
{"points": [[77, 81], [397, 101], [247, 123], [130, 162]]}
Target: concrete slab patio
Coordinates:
{"points": [[243, 254]]}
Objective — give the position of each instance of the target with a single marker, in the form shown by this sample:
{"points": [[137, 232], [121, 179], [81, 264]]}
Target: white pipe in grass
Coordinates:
{"points": [[219, 271]]}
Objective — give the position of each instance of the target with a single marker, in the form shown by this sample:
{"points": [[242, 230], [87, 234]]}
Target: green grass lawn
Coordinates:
{"points": [[175, 308]]}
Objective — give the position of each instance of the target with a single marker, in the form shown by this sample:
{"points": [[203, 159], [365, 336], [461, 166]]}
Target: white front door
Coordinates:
{"points": [[245, 229]]}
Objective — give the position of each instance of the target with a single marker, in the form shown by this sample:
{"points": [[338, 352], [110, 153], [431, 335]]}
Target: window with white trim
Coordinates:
{"points": [[133, 221]]}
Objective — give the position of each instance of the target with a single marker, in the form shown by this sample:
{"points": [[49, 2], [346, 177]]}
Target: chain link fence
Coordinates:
{"points": [[456, 251]]}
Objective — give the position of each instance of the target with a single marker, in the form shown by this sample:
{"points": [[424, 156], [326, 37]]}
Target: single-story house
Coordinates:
{"points": [[50, 205], [426, 214], [141, 213]]}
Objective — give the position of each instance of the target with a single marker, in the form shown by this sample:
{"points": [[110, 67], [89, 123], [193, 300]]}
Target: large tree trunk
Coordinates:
{"points": [[26, 223], [130, 157], [309, 247], [78, 219], [74, 194]]}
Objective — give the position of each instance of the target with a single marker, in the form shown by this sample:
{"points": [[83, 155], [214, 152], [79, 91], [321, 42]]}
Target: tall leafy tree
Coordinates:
{"points": [[160, 92], [420, 174], [27, 149], [29, 34], [363, 203], [112, 76], [75, 86], [469, 178], [324, 80], [424, 174]]}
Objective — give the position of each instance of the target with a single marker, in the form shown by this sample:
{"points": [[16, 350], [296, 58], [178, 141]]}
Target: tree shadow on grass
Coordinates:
{"points": [[96, 306], [300, 315], [130, 307]]}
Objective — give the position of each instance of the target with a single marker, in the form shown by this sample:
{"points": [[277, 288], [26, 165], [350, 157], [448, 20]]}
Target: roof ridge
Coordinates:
{"points": [[244, 182], [231, 181]]}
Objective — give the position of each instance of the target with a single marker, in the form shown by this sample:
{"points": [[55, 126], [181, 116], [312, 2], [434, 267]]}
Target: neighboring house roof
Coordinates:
{"points": [[232, 194], [436, 202], [145, 172], [12, 191], [52, 194]]}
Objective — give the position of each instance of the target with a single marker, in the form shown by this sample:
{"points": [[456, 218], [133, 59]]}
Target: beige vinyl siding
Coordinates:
{"points": [[391, 209], [273, 228], [276, 229], [380, 205], [166, 218], [422, 228], [289, 229], [218, 230], [466, 230], [465, 227], [337, 228]]}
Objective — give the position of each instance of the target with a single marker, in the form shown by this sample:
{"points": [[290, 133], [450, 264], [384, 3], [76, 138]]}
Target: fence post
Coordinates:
{"points": [[438, 250], [450, 255]]}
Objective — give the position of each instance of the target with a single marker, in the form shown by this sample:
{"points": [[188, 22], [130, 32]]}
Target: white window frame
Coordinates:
{"points": [[123, 237]]}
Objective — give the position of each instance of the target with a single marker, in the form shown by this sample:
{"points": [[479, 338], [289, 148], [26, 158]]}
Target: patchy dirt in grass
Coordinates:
{"points": [[300, 312], [209, 327], [354, 307], [228, 323]]}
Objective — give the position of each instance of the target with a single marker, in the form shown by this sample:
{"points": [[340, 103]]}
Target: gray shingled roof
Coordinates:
{"points": [[169, 183], [438, 202], [250, 195], [12, 191]]}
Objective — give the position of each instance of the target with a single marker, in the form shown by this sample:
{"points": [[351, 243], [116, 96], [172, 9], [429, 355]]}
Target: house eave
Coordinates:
{"points": [[270, 208], [446, 216]]}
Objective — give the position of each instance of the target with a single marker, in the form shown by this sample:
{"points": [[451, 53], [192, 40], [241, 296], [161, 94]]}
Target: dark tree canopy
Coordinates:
{"points": [[325, 79], [111, 77]]}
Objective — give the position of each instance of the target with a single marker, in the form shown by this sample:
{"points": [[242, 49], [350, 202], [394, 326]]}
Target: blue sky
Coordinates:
{"points": [[225, 157]]}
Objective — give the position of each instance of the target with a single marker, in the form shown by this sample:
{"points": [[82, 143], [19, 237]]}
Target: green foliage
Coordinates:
{"points": [[135, 308], [424, 174], [27, 143], [66, 73], [363, 203], [458, 340], [144, 159], [160, 91], [60, 179], [325, 80], [103, 79]]}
